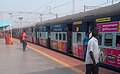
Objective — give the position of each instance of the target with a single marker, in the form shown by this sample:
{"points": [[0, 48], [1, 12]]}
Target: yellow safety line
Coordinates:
{"points": [[64, 64]]}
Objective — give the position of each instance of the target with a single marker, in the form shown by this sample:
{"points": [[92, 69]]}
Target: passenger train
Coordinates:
{"points": [[66, 34]]}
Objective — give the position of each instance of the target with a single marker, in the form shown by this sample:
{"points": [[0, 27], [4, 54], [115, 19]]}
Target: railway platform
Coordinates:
{"points": [[39, 60]]}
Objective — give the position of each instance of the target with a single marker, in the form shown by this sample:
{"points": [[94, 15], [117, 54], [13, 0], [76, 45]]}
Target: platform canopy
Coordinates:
{"points": [[4, 23]]}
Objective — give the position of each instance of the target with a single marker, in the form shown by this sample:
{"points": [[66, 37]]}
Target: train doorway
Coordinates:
{"points": [[37, 36], [49, 37], [90, 25], [32, 33], [69, 38]]}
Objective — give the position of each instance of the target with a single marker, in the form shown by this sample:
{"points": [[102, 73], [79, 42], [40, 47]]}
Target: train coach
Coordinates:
{"points": [[66, 34], [109, 40], [29, 33], [42, 36]]}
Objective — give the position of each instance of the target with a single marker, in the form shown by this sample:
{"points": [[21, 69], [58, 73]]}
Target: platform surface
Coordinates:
{"points": [[14, 61]]}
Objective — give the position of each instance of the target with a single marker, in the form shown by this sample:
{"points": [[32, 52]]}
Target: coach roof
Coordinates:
{"points": [[100, 12]]}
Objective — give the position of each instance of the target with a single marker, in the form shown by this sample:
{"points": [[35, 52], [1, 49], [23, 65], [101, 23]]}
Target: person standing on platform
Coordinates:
{"points": [[85, 43], [6, 36], [92, 55], [24, 40], [9, 41]]}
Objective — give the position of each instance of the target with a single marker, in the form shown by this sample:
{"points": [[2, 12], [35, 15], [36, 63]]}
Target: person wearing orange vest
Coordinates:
{"points": [[24, 38], [9, 41], [6, 38]]}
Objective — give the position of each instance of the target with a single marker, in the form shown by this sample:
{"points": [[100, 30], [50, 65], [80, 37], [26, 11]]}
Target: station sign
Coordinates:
{"points": [[42, 28], [107, 19], [59, 27], [77, 22]]}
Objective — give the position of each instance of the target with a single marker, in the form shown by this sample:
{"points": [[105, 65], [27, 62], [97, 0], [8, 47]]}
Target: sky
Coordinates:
{"points": [[60, 7]]}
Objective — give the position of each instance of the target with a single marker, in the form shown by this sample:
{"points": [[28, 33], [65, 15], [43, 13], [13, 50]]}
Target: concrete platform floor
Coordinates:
{"points": [[14, 61]]}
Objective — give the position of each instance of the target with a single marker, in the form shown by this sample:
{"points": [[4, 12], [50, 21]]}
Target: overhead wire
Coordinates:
{"points": [[53, 7], [40, 7], [59, 5], [66, 3]]}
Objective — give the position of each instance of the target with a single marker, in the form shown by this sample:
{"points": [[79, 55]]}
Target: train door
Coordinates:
{"points": [[30, 38], [49, 36], [32, 34], [89, 25], [37, 35], [77, 39], [34, 38], [69, 38]]}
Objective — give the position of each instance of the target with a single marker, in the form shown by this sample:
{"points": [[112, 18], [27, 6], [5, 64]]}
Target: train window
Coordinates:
{"points": [[100, 39], [118, 39], [56, 36], [60, 37], [79, 37], [64, 36], [108, 39]]}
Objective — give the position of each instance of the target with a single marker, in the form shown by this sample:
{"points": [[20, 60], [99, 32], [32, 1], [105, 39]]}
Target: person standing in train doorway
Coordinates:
{"points": [[85, 43], [24, 40], [92, 55], [90, 33]]}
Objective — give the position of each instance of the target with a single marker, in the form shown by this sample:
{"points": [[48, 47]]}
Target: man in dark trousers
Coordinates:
{"points": [[24, 39], [92, 55]]}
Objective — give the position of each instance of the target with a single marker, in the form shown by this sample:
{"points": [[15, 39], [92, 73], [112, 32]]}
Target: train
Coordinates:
{"points": [[66, 34]]}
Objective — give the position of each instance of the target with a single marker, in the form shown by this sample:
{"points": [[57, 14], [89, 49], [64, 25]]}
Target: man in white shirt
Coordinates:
{"points": [[92, 55]]}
